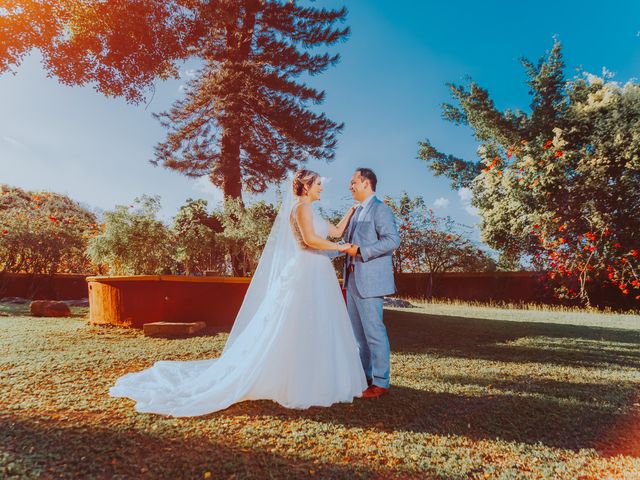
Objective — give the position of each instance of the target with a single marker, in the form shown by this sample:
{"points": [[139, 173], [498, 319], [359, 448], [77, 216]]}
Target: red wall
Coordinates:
{"points": [[57, 287], [496, 286]]}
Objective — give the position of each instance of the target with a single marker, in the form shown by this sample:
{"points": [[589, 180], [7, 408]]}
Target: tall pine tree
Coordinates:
{"points": [[245, 120]]}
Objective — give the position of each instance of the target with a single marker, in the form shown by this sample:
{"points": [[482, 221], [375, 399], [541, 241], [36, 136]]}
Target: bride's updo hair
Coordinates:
{"points": [[303, 178]]}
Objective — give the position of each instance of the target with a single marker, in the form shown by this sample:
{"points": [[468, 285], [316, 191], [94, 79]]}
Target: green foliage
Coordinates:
{"points": [[134, 241], [433, 244], [559, 186], [245, 231], [43, 232], [199, 245]]}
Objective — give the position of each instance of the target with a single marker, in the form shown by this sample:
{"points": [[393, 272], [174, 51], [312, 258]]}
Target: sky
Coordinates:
{"points": [[388, 89]]}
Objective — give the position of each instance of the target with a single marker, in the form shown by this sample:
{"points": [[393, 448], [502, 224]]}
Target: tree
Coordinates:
{"points": [[200, 245], [134, 241], [43, 232], [433, 244], [560, 185], [245, 120], [245, 232]]}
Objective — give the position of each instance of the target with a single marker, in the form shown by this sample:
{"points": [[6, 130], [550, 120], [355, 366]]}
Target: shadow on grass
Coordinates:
{"points": [[545, 418], [48, 450], [562, 414], [475, 338]]}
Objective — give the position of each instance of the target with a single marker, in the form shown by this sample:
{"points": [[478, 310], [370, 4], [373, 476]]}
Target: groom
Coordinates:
{"points": [[368, 276]]}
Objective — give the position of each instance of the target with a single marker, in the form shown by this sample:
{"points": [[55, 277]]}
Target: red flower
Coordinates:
{"points": [[4, 232], [548, 144], [558, 154], [536, 226], [562, 240], [488, 167], [634, 253], [617, 245], [53, 219]]}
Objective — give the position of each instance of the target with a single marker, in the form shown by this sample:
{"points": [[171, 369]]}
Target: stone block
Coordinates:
{"points": [[49, 308], [172, 329]]}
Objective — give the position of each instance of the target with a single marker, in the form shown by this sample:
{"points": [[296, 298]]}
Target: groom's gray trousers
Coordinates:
{"points": [[371, 335]]}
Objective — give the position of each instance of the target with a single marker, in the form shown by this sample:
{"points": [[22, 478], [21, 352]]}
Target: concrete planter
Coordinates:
{"points": [[135, 300]]}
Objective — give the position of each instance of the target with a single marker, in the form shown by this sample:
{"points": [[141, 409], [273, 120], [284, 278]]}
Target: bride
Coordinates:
{"points": [[292, 341]]}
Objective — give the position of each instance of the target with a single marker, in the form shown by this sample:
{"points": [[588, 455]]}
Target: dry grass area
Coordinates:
{"points": [[476, 393]]}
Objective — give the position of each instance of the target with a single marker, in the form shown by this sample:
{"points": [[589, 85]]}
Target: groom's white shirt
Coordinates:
{"points": [[364, 204]]}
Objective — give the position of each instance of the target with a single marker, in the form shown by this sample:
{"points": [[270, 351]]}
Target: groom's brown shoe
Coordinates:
{"points": [[374, 391]]}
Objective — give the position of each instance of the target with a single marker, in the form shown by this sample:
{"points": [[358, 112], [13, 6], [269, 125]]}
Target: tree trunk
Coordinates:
{"points": [[239, 40], [230, 164]]}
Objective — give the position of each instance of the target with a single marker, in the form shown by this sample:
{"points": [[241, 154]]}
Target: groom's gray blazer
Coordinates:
{"points": [[377, 236]]}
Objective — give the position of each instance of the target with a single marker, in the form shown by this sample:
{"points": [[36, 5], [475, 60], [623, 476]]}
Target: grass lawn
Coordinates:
{"points": [[476, 393]]}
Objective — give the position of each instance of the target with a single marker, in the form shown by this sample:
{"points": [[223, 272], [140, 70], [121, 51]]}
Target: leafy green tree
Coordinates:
{"points": [[134, 241], [558, 186], [432, 244], [43, 232], [200, 247], [245, 232]]}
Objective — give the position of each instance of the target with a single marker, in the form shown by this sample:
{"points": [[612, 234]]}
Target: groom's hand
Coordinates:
{"points": [[353, 251]]}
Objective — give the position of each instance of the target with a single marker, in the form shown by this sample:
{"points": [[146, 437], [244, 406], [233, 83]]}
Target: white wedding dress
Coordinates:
{"points": [[292, 341]]}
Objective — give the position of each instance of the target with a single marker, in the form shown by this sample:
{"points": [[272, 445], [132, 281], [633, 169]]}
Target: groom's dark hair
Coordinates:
{"points": [[369, 175]]}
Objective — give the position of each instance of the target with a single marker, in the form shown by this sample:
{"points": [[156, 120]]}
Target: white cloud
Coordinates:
{"points": [[204, 186], [441, 202], [13, 142], [191, 73], [465, 195]]}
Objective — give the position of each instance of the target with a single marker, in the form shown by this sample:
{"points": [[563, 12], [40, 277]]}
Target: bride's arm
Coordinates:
{"points": [[336, 231], [304, 216]]}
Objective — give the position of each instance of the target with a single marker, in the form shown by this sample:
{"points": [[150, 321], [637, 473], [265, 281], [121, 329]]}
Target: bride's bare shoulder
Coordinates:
{"points": [[303, 213]]}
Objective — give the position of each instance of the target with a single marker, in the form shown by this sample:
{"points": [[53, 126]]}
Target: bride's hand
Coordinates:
{"points": [[343, 247]]}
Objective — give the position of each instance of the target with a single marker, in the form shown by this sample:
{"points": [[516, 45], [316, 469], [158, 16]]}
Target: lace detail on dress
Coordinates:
{"points": [[295, 228]]}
